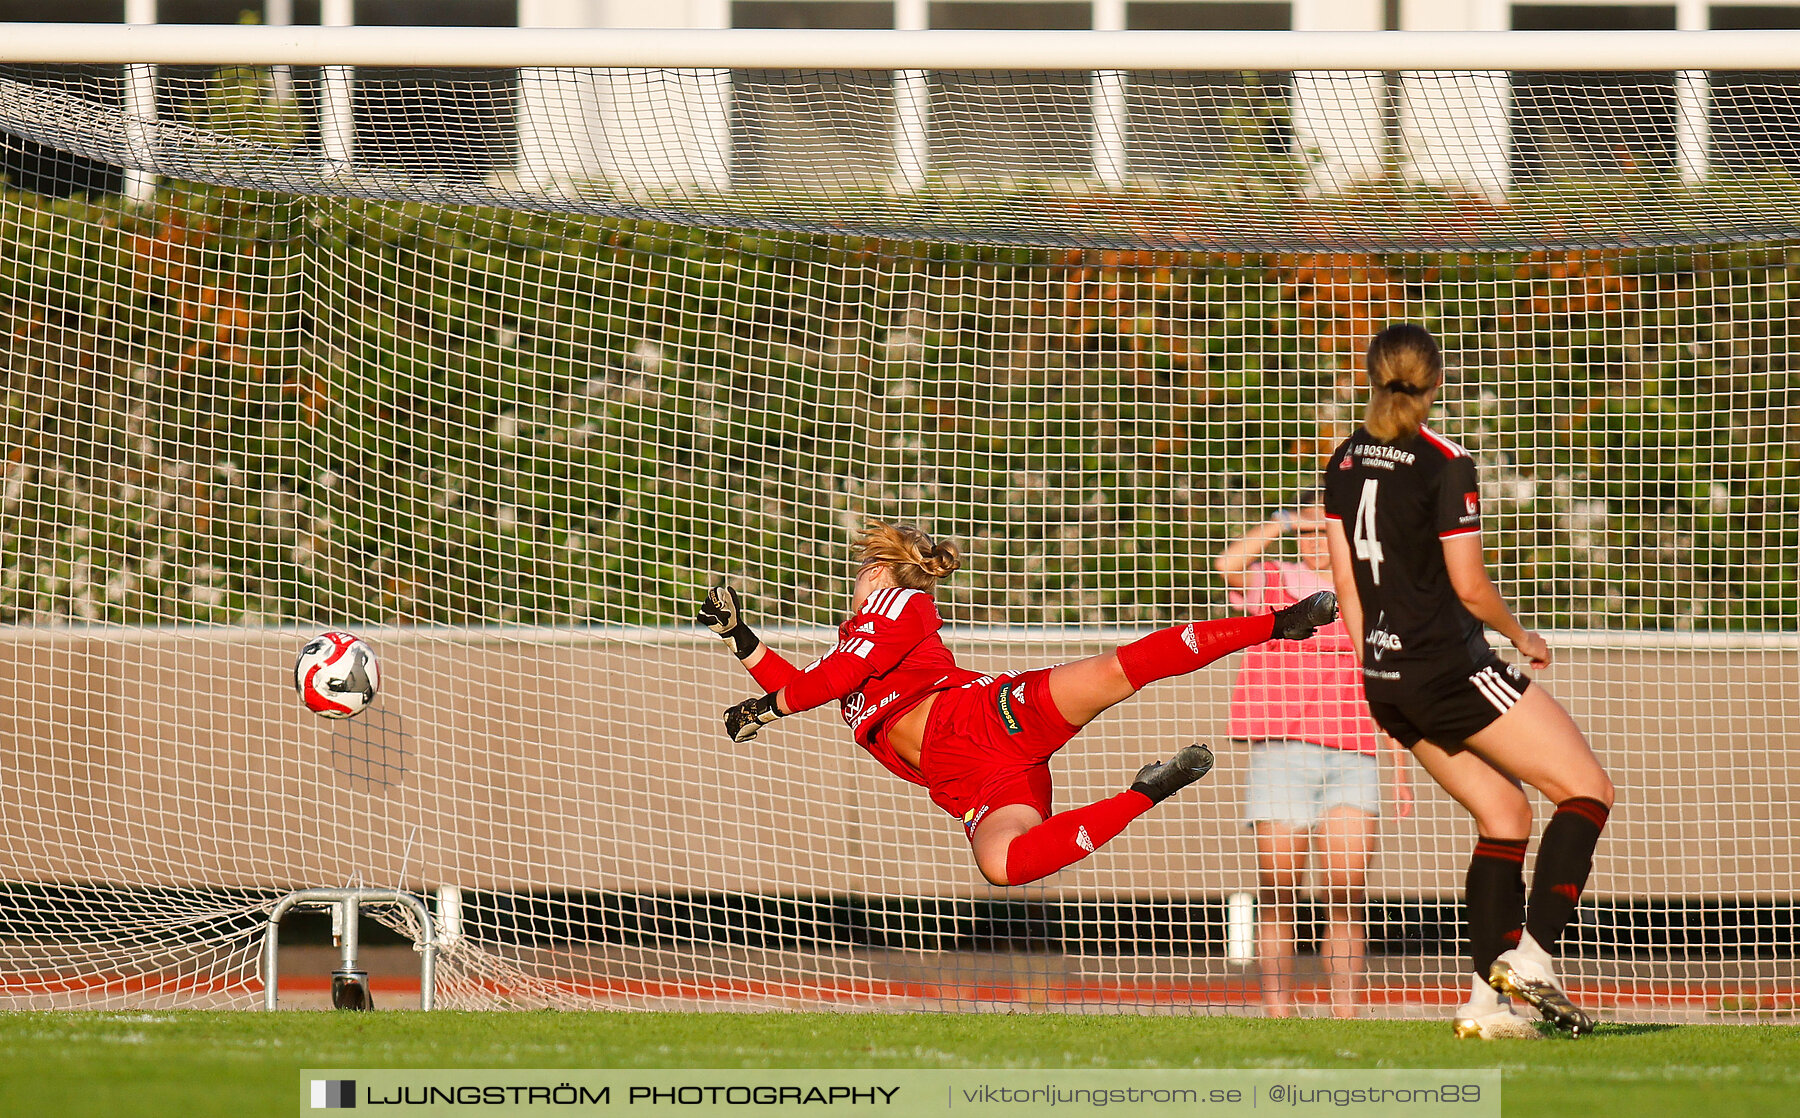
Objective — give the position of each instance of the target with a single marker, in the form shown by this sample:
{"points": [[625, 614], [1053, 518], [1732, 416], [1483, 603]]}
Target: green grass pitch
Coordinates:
{"points": [[197, 1064]]}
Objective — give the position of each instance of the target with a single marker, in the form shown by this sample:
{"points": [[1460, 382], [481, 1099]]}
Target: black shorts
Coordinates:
{"points": [[1446, 709]]}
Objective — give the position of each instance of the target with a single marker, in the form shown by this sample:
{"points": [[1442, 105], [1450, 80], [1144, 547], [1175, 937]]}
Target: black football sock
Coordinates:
{"points": [[1495, 891], [1565, 856]]}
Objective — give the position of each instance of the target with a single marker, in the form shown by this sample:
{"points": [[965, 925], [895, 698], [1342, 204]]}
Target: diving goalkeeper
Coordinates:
{"points": [[981, 744]]}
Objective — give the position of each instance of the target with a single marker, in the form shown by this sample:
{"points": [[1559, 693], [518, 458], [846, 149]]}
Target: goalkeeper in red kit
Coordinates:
{"points": [[981, 745]]}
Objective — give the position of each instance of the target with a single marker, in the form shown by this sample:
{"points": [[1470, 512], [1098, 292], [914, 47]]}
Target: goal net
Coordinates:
{"points": [[500, 363]]}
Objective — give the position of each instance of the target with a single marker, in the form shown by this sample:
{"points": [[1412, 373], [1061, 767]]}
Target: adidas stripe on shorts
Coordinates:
{"points": [[1446, 708]]}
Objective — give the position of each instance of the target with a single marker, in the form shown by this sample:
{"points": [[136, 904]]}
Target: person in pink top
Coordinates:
{"points": [[1314, 784]]}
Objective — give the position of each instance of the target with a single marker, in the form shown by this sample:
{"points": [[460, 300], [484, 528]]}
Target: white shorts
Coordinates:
{"points": [[1297, 782]]}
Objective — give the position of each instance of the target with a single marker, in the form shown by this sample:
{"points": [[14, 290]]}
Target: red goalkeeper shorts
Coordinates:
{"points": [[988, 744]]}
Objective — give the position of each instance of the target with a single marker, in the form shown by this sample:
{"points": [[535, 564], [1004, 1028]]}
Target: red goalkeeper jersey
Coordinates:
{"points": [[888, 658]]}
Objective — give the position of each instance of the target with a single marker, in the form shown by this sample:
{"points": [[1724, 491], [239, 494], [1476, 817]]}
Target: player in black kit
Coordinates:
{"points": [[1404, 524]]}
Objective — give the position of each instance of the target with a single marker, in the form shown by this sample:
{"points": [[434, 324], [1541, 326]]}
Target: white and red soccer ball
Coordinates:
{"points": [[337, 675]]}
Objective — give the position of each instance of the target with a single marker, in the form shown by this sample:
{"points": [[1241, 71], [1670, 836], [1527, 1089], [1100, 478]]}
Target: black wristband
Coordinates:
{"points": [[743, 641], [768, 708]]}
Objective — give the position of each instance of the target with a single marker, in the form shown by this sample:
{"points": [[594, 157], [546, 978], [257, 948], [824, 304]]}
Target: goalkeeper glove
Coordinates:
{"points": [[744, 720], [724, 614]]}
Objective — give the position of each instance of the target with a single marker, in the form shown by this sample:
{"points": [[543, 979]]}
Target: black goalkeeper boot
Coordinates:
{"points": [[1305, 617], [1161, 779]]}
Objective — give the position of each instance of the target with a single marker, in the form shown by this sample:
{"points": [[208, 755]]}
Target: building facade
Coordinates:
{"points": [[715, 130]]}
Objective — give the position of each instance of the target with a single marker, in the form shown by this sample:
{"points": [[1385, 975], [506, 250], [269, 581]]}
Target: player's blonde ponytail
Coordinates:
{"points": [[916, 560], [1405, 368]]}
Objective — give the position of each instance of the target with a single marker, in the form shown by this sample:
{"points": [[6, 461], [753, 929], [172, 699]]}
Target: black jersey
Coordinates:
{"points": [[1397, 503]]}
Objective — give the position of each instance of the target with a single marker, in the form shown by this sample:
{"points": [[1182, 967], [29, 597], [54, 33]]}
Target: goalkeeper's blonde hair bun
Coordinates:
{"points": [[916, 560]]}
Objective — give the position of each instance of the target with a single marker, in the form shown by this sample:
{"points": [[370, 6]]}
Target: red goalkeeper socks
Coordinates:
{"points": [[1188, 648], [1069, 836]]}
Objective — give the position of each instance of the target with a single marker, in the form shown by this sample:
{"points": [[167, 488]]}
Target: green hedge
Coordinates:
{"points": [[237, 407]]}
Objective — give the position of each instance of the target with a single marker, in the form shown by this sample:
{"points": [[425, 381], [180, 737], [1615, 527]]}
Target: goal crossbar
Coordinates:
{"points": [[474, 47]]}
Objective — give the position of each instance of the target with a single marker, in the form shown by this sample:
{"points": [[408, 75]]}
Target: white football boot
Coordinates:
{"points": [[1489, 1016], [1526, 974], [1494, 1024]]}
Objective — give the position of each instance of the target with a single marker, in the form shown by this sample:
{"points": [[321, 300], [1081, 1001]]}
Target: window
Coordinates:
{"points": [[1033, 125], [1735, 17], [38, 168], [69, 11], [812, 126], [997, 15], [1578, 126], [1593, 17], [1179, 122], [1183, 15], [453, 123], [1755, 117], [868, 15]]}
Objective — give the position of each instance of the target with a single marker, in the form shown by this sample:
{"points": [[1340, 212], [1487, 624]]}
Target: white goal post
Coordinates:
{"points": [[810, 49], [498, 346]]}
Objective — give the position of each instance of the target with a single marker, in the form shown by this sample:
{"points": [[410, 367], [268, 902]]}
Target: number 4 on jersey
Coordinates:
{"points": [[1367, 546]]}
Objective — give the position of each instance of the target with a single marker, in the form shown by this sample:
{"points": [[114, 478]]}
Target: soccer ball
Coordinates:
{"points": [[336, 675]]}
